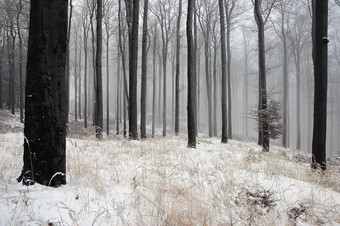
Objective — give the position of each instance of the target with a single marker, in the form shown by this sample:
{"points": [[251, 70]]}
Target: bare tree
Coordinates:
{"points": [[144, 71], [98, 80], [224, 75], [45, 97], [261, 20], [178, 59], [191, 79], [67, 74], [164, 12]]}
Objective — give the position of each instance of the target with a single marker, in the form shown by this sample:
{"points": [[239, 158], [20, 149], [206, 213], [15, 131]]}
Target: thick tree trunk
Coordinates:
{"points": [[107, 85], [133, 58], [224, 76], [118, 93], [320, 32], [229, 81], [1, 97], [191, 79], [144, 71], [85, 78], [45, 97]]}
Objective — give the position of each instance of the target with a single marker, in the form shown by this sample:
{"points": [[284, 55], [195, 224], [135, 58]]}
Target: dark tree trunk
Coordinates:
{"points": [[229, 80], [197, 74], [99, 89], [21, 89], [107, 84], [191, 79], [45, 97], [178, 59], [133, 58], [224, 76], [263, 131], [144, 71], [208, 79], [246, 83], [1, 97], [67, 74], [320, 32]]}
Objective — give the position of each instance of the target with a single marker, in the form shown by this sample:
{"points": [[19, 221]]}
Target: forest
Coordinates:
{"points": [[210, 76]]}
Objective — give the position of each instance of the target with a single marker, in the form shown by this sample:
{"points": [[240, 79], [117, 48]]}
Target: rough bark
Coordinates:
{"points": [[45, 96]]}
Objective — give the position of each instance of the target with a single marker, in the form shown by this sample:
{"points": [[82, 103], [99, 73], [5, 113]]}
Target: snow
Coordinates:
{"points": [[159, 181]]}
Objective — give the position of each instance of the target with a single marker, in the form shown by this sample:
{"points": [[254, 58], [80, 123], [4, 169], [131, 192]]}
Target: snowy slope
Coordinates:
{"points": [[159, 181]]}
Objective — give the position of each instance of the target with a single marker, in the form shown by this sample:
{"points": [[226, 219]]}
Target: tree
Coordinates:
{"points": [[1, 54], [45, 95], [133, 58], [144, 71], [98, 80], [263, 138], [191, 79], [320, 41], [224, 75], [67, 74], [178, 59]]}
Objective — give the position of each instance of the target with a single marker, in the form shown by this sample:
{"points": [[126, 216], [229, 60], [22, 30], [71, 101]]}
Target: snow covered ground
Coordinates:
{"points": [[159, 181]]}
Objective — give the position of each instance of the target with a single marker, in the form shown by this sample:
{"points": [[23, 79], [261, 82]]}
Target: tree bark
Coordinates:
{"points": [[45, 97], [263, 131], [67, 74], [133, 58], [224, 76], [191, 79], [320, 32], [144, 71]]}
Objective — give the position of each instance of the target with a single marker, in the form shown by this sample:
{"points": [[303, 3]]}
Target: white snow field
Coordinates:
{"points": [[161, 182]]}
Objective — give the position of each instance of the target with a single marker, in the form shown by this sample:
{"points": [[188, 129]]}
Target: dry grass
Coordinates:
{"points": [[161, 182]]}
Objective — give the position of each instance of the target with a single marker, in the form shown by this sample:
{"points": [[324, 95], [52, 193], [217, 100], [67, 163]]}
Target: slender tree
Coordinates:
{"points": [[178, 59], [85, 24], [224, 75], [191, 78], [45, 97], [67, 74], [99, 89], [144, 71]]}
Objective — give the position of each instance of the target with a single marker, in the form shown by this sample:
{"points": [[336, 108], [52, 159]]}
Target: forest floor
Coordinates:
{"points": [[159, 181]]}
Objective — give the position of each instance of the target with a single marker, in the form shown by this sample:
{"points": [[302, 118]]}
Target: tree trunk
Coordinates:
{"points": [[208, 79], [246, 83], [144, 71], [191, 79], [298, 98], [154, 81], [320, 32], [263, 131], [229, 80], [99, 89], [285, 94], [45, 97], [67, 74], [21, 89], [75, 76], [107, 85], [178, 59], [118, 93], [224, 75], [1, 97], [85, 78], [133, 58]]}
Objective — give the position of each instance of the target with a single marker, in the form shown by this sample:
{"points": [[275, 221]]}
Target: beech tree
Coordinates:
{"points": [[320, 41], [191, 78], [45, 96]]}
